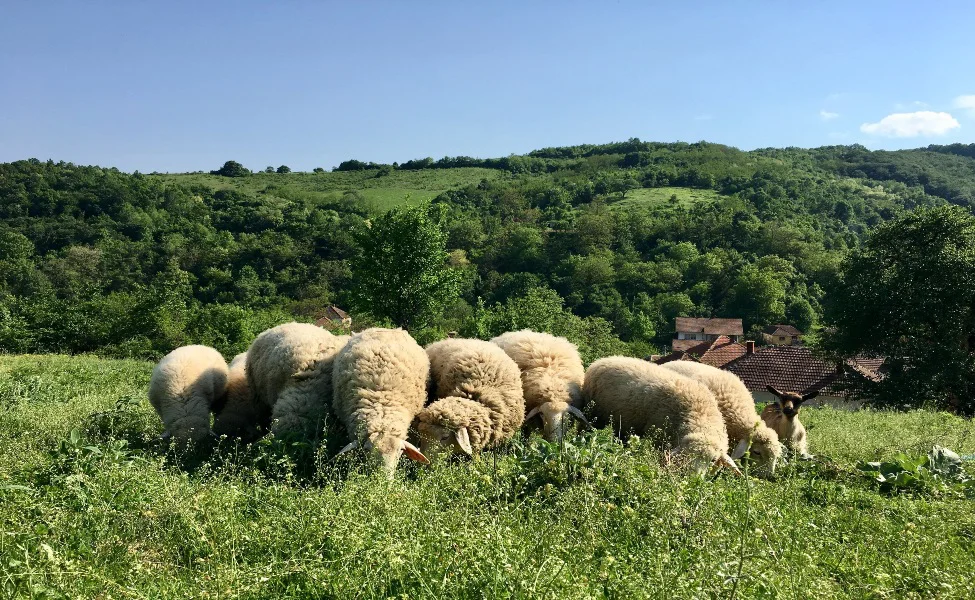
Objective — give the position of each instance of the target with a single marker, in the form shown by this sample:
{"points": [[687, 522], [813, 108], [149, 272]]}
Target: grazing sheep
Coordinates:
{"points": [[289, 370], [239, 414], [636, 396], [783, 417], [481, 403], [551, 377], [738, 409], [380, 383], [184, 386]]}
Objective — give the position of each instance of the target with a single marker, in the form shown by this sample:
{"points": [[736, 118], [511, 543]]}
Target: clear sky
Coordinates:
{"points": [[180, 86]]}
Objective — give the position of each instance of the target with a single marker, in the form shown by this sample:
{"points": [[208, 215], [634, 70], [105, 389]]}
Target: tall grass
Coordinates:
{"points": [[104, 512]]}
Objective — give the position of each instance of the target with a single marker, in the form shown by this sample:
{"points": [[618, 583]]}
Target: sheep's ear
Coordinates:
{"points": [[532, 413], [413, 453], [464, 441], [575, 412], [727, 462], [348, 447], [809, 396], [740, 449], [774, 391]]}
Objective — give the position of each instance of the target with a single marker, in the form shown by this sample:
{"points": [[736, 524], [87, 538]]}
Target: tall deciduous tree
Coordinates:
{"points": [[909, 295], [402, 273]]}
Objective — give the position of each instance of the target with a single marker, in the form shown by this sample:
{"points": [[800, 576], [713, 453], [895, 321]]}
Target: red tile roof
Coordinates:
{"points": [[795, 369], [716, 353], [684, 345], [710, 326]]}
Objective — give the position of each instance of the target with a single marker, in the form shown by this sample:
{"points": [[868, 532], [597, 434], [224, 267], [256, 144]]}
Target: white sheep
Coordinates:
{"points": [[289, 370], [637, 396], [551, 377], [737, 406], [239, 414], [183, 387], [380, 384], [480, 400], [783, 417]]}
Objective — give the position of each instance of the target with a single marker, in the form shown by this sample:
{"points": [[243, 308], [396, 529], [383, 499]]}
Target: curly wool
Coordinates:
{"points": [[479, 387], [380, 383], [737, 406], [640, 397], [289, 370], [240, 415], [551, 374], [184, 386]]}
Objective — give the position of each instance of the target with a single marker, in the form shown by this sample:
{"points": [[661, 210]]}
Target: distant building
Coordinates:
{"points": [[782, 335], [717, 352], [691, 331], [334, 317], [795, 369]]}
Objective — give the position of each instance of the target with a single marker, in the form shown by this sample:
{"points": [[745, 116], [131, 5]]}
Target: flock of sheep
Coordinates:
{"points": [[460, 396]]}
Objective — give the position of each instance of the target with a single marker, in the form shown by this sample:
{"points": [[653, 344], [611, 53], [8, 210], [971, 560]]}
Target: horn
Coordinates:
{"points": [[350, 446], [165, 436], [413, 453], [575, 412], [532, 413], [740, 449], [727, 462], [464, 441]]}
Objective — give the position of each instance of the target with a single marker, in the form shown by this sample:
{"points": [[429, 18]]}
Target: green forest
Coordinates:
{"points": [[605, 244]]}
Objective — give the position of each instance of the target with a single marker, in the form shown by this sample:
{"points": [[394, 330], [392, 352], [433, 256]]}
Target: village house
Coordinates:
{"points": [[796, 369], [691, 331], [717, 352], [334, 317], [782, 335]]}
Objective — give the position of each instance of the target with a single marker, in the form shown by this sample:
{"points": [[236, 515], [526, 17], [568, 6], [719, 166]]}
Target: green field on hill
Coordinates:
{"points": [[92, 508], [380, 192], [661, 196]]}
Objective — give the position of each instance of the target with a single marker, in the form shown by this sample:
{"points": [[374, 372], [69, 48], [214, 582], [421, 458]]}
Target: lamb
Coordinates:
{"points": [[289, 371], [239, 414], [738, 409], [481, 403], [783, 417], [183, 387], [380, 384], [636, 396], [551, 377]]}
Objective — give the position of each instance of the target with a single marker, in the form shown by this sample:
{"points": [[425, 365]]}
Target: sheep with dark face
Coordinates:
{"points": [[783, 417]]}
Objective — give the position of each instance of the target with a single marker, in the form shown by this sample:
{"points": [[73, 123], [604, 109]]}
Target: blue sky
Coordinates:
{"points": [[178, 86]]}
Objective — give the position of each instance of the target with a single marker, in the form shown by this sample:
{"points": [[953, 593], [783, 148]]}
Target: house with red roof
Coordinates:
{"points": [[717, 352], [796, 369], [690, 331]]}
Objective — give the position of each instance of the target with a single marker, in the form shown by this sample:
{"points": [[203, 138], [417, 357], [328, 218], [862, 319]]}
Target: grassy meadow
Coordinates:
{"points": [[380, 193], [661, 197], [90, 507]]}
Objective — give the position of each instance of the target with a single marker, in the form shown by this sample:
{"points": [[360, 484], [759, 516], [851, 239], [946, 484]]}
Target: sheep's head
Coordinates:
{"points": [[437, 439], [701, 455], [388, 449], [764, 446], [555, 418], [790, 402]]}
